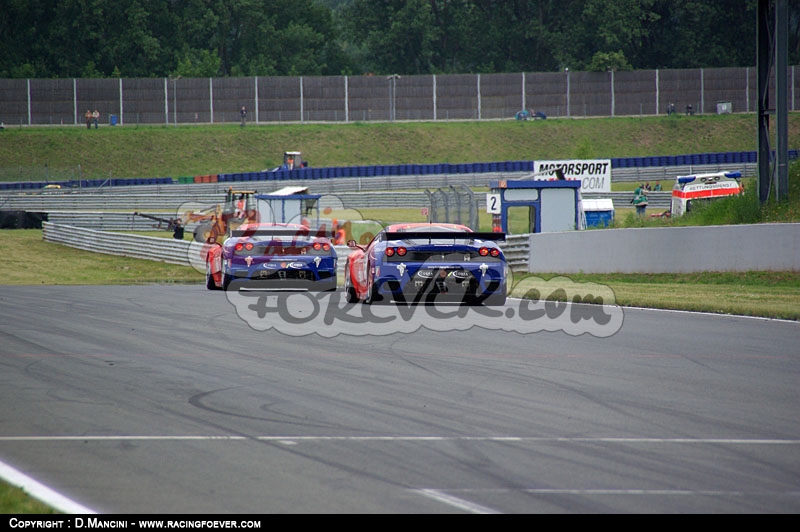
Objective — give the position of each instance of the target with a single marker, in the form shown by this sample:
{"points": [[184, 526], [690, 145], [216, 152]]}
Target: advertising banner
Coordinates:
{"points": [[594, 174]]}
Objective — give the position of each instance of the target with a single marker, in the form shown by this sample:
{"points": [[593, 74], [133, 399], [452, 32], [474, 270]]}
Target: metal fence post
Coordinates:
{"points": [[613, 103], [434, 97], [166, 102], [255, 89], [478, 88]]}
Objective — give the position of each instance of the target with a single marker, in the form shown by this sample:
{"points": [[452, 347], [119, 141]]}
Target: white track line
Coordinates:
{"points": [[522, 439], [456, 502], [63, 504], [39, 491]]}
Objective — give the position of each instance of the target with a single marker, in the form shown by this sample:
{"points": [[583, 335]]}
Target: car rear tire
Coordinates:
{"points": [[373, 297], [210, 284], [349, 290]]}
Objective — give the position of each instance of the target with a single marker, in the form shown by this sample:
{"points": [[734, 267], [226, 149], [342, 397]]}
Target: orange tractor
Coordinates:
{"points": [[214, 222]]}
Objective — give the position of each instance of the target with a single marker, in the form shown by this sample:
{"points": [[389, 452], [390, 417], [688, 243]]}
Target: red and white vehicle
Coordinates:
{"points": [[424, 263], [703, 187], [273, 256]]}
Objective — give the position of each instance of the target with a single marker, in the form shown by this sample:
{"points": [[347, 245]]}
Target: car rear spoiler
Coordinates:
{"points": [[445, 235], [297, 233]]}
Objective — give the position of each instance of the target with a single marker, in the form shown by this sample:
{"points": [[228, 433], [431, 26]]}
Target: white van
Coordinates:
{"points": [[703, 187]]}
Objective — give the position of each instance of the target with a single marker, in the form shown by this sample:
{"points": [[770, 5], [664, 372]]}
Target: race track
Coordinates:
{"points": [[174, 399]]}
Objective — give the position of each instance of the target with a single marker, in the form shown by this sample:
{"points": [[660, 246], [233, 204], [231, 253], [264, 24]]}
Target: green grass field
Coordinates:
{"points": [[37, 153]]}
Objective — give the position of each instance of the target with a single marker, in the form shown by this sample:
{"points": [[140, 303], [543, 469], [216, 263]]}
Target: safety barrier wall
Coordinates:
{"points": [[181, 252], [728, 248], [516, 249], [188, 253], [128, 245], [760, 247], [734, 159], [169, 205]]}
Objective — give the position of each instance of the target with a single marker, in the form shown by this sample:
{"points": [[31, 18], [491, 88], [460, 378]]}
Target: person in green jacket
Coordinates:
{"points": [[640, 200]]}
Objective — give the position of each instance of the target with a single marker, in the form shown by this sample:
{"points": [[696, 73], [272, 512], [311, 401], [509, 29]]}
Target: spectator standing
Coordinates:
{"points": [[243, 114], [96, 118], [657, 188], [640, 200], [88, 117]]}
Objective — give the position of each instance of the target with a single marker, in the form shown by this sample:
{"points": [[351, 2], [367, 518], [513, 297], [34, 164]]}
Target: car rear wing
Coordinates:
{"points": [[445, 235], [297, 233]]}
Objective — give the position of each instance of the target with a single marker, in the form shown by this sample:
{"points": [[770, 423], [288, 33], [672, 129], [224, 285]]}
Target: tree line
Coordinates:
{"points": [[200, 38]]}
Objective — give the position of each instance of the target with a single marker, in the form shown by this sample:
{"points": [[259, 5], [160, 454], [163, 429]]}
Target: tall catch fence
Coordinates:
{"points": [[455, 205], [179, 100]]}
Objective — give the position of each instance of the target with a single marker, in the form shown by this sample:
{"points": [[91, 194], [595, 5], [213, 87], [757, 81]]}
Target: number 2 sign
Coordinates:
{"points": [[493, 203]]}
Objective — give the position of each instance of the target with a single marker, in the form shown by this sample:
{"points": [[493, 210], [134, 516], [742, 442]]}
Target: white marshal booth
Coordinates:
{"points": [[293, 205], [549, 199], [535, 206]]}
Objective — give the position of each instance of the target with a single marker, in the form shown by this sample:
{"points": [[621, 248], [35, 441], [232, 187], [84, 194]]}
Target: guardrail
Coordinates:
{"points": [[108, 220], [181, 252], [382, 193], [173, 203], [169, 250], [516, 248], [187, 253], [655, 250]]}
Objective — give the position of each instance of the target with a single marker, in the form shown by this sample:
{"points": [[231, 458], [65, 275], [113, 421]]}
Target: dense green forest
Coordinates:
{"points": [[198, 38]]}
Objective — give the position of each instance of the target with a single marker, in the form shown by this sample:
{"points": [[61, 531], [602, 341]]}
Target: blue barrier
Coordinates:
{"points": [[413, 169]]}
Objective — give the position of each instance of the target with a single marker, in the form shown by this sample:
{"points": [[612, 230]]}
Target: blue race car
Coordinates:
{"points": [[424, 263], [273, 256]]}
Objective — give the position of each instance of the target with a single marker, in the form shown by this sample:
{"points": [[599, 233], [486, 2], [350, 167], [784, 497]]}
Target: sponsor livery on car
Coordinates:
{"points": [[423, 263], [273, 256]]}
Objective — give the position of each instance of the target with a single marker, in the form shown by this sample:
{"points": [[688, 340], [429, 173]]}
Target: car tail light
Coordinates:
{"points": [[239, 246], [248, 246], [389, 252], [317, 246], [483, 252], [326, 246], [401, 251], [494, 252]]}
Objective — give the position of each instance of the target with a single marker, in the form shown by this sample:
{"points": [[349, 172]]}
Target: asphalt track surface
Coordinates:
{"points": [[163, 399]]}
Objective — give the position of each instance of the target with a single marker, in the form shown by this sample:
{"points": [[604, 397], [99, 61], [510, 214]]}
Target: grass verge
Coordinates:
{"points": [[32, 261], [762, 294], [765, 294], [14, 500]]}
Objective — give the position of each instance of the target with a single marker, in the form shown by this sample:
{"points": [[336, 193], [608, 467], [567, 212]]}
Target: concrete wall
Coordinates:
{"points": [[761, 247]]}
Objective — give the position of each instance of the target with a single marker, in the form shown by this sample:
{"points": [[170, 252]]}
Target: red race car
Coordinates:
{"points": [[420, 262], [273, 256]]}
